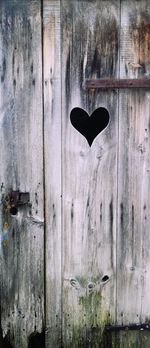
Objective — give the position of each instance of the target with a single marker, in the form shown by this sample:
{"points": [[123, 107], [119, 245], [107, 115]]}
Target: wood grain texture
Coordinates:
{"points": [[21, 158], [97, 200], [133, 259], [89, 50], [52, 148]]}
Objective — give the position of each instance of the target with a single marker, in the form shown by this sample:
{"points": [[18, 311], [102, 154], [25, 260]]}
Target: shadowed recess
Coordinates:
{"points": [[91, 126], [36, 340], [6, 344], [4, 341], [13, 211]]}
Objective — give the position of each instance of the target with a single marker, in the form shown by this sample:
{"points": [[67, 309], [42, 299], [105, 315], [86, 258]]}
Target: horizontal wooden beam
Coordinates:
{"points": [[117, 83]]}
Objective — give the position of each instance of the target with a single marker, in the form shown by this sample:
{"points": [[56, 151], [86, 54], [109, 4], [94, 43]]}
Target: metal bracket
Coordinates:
{"points": [[117, 83], [127, 327], [19, 198]]}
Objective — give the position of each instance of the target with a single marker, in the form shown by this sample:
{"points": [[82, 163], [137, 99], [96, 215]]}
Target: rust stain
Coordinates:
{"points": [[145, 45], [103, 60], [141, 41]]}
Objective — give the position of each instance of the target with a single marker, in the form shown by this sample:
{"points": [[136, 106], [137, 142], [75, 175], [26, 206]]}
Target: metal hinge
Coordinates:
{"points": [[117, 83], [127, 327]]}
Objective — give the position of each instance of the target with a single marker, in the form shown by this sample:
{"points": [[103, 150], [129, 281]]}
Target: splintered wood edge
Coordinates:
{"points": [[117, 83]]}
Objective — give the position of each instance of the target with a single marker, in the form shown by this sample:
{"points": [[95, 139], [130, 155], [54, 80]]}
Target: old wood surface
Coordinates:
{"points": [[133, 258], [21, 158], [89, 175], [91, 267], [52, 149]]}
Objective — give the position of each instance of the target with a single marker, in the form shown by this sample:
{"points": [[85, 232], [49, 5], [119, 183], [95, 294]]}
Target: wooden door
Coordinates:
{"points": [[75, 258]]}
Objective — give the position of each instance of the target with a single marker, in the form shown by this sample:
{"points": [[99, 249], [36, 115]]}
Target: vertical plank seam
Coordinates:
{"points": [[118, 151], [61, 164], [43, 136]]}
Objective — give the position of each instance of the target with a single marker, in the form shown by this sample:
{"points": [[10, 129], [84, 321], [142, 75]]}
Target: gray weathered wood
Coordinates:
{"points": [[96, 198], [133, 259], [52, 148], [21, 158], [89, 50]]}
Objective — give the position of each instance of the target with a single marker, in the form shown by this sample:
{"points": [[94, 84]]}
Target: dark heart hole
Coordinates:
{"points": [[91, 126], [13, 211]]}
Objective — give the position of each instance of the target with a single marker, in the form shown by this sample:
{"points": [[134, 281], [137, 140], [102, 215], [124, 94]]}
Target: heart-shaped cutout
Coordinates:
{"points": [[89, 126]]}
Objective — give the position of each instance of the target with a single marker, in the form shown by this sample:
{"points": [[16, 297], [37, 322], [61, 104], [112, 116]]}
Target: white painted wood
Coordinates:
{"points": [[133, 260], [21, 158], [89, 50], [52, 148]]}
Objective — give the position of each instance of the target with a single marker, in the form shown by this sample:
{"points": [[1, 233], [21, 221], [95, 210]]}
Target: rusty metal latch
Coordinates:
{"points": [[19, 198], [11, 202]]}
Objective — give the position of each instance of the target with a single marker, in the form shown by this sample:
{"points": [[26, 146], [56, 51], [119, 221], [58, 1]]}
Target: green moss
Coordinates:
{"points": [[85, 322], [89, 330], [91, 305]]}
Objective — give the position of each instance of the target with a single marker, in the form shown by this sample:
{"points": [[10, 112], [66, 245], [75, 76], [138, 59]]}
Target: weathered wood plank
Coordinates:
{"points": [[89, 50], [52, 148], [21, 158], [133, 238]]}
